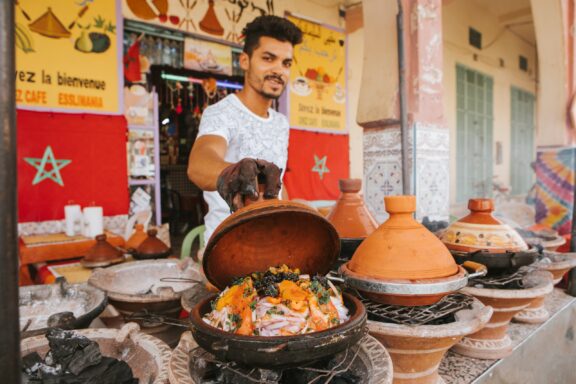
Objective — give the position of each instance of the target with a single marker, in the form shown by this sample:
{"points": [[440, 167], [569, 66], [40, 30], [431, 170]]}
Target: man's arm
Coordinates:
{"points": [[206, 161]]}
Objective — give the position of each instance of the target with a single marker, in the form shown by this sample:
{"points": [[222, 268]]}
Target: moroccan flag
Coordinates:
{"points": [[316, 161], [64, 157]]}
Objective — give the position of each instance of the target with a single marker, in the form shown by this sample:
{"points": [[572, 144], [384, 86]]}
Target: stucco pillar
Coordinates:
{"points": [[378, 110]]}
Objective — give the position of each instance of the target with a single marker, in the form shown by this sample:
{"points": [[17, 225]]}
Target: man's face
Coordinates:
{"points": [[268, 69]]}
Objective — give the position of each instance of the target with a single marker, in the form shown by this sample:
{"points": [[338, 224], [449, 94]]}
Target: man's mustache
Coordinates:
{"points": [[274, 77]]}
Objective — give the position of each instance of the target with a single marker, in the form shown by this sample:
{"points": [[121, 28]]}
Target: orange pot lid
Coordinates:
{"points": [[402, 248], [349, 215], [269, 233], [482, 231]]}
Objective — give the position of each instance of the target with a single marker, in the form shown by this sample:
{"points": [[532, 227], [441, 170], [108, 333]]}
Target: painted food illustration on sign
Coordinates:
{"points": [[97, 41], [152, 9], [320, 79], [210, 23], [49, 25], [300, 86]]}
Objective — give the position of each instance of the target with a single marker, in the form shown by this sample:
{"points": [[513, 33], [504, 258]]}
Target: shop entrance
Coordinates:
{"points": [[522, 143], [474, 134]]}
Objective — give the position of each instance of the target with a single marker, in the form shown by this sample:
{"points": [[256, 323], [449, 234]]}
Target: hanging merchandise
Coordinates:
{"points": [[554, 189], [64, 157], [132, 69], [316, 162]]}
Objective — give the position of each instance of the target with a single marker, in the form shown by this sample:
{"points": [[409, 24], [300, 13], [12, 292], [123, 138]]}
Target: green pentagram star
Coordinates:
{"points": [[40, 165], [320, 166]]}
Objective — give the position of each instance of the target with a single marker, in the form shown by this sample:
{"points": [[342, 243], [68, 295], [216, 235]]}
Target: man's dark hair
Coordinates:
{"points": [[276, 27]]}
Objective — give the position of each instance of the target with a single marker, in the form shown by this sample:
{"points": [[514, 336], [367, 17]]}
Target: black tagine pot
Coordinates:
{"points": [[254, 238], [279, 351]]}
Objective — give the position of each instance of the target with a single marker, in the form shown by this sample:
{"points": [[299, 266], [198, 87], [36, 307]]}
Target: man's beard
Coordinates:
{"points": [[268, 95]]}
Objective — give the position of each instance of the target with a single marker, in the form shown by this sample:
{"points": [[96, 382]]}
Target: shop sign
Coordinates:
{"points": [[68, 55], [318, 79], [205, 56]]}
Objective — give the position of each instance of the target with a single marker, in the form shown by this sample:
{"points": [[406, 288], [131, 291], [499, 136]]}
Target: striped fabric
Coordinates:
{"points": [[554, 188]]}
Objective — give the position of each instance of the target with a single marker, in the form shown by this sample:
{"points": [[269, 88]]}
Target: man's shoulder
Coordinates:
{"points": [[220, 106]]}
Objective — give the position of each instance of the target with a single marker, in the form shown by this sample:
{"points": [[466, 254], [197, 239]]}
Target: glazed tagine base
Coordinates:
{"points": [[560, 263], [416, 350], [493, 342]]}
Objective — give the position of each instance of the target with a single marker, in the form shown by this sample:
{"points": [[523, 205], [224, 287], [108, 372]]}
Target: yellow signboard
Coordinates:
{"points": [[318, 79], [68, 55]]}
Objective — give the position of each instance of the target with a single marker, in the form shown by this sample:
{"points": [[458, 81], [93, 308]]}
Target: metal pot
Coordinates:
{"points": [[280, 351], [48, 301], [410, 292]]}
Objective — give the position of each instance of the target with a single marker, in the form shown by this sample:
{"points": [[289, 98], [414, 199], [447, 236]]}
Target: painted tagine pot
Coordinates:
{"points": [[482, 238], [493, 342], [351, 218], [417, 350], [402, 263]]}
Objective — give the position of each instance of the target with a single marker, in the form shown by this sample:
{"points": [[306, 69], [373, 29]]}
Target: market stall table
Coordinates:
{"points": [[55, 247]]}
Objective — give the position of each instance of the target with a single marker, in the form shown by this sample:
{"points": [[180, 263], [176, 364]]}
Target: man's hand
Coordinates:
{"points": [[241, 180]]}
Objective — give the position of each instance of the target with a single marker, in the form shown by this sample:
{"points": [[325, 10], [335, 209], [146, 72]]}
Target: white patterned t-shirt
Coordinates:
{"points": [[247, 135]]}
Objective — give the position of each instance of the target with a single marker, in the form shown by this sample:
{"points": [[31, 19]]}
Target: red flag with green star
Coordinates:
{"points": [[64, 157], [316, 161]]}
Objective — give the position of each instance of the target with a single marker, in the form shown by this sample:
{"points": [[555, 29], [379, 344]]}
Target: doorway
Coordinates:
{"points": [[522, 140], [474, 92]]}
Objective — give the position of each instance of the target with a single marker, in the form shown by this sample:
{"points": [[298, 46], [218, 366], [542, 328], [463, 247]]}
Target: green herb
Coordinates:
{"points": [[323, 297], [274, 311], [256, 332], [213, 304], [335, 320], [234, 318], [253, 305], [247, 291]]}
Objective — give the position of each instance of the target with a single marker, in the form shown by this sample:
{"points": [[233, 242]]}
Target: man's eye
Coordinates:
{"points": [[267, 58], [288, 64]]}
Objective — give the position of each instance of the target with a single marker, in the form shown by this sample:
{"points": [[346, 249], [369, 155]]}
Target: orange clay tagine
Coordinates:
{"points": [[351, 219], [402, 248], [481, 231], [350, 216], [137, 237], [402, 263]]}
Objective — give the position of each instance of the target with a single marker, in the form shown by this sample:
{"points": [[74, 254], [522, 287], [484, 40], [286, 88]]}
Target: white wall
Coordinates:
{"points": [[457, 17]]}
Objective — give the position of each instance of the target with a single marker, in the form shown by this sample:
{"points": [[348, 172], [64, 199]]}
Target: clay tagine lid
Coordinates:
{"points": [[349, 215], [482, 231], [402, 248], [152, 247], [102, 254], [137, 237], [269, 233]]}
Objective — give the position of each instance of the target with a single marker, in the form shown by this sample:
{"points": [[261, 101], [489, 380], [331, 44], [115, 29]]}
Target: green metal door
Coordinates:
{"points": [[473, 134], [522, 140]]}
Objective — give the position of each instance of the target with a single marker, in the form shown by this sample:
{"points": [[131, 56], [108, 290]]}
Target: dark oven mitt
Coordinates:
{"points": [[241, 180]]}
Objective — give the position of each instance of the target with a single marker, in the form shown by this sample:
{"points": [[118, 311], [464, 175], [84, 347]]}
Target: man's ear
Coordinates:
{"points": [[244, 61]]}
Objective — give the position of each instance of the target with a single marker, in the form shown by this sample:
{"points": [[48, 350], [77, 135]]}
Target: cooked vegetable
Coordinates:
{"points": [[278, 302]]}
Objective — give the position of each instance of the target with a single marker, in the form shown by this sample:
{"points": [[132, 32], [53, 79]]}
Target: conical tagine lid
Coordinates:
{"points": [[402, 248], [350, 216], [481, 231]]}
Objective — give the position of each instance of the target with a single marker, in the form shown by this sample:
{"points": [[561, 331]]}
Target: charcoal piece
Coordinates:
{"points": [[84, 358], [30, 360], [64, 344], [64, 320]]}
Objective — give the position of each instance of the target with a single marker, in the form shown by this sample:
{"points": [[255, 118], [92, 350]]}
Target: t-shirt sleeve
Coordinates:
{"points": [[213, 122]]}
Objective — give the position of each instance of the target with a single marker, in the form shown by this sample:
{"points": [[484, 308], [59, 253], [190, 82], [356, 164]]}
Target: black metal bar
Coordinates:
{"points": [[406, 174], [9, 331]]}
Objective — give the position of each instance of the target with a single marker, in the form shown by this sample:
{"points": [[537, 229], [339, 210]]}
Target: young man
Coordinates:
{"points": [[241, 138]]}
